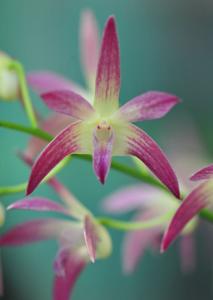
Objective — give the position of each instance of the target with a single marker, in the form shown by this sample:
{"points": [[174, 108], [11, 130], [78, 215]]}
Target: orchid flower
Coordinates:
{"points": [[46, 81], [150, 204], [9, 83], [198, 199], [80, 240], [103, 129]]}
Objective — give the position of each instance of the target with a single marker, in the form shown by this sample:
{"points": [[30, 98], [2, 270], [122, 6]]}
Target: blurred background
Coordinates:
{"points": [[165, 45]]}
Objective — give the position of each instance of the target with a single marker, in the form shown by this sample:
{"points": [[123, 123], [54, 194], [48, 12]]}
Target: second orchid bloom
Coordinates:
{"points": [[103, 129]]}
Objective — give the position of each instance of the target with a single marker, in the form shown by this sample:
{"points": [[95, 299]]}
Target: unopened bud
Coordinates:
{"points": [[9, 83]]}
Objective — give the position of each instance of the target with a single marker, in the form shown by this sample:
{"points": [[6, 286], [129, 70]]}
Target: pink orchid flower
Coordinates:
{"points": [[199, 198], [80, 240], [150, 204], [103, 129]]}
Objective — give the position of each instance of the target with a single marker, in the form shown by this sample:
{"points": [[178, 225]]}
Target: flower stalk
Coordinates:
{"points": [[18, 68], [129, 226]]}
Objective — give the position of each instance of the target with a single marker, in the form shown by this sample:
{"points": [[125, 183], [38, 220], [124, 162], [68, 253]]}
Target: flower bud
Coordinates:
{"points": [[9, 83]]}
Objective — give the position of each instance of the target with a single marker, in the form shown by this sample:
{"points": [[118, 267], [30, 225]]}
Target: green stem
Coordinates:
{"points": [[132, 172], [13, 189], [32, 131], [127, 226], [15, 65]]}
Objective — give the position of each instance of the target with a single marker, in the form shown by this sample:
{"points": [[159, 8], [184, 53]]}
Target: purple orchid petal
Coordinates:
{"points": [[53, 125], [90, 237], [108, 72], [65, 143], [102, 154], [147, 150], [205, 173], [131, 198], [137, 242], [38, 204], [70, 267], [89, 44], [33, 231], [68, 103], [199, 198], [187, 253], [45, 81], [148, 106]]}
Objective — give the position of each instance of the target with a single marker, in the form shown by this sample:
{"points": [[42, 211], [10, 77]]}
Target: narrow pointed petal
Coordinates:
{"points": [[64, 283], [89, 41], [148, 106], [137, 242], [147, 150], [132, 198], [65, 143], [108, 72], [90, 237], [33, 231], [38, 204], [102, 155], [68, 103], [199, 198], [187, 253], [205, 173], [45, 81]]}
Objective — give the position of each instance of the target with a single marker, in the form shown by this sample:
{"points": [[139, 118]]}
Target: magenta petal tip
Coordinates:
{"points": [[203, 174]]}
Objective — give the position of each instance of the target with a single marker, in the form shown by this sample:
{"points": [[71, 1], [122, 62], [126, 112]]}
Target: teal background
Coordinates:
{"points": [[165, 45]]}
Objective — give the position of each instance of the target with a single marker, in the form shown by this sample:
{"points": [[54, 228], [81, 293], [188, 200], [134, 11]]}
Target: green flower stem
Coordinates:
{"points": [[13, 189], [132, 172], [29, 130], [127, 226], [15, 65]]}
